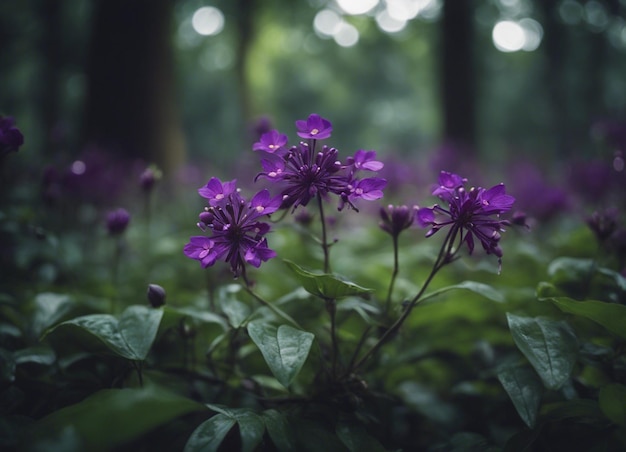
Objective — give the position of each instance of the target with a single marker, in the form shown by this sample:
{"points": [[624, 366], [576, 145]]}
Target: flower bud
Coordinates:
{"points": [[156, 295], [117, 221]]}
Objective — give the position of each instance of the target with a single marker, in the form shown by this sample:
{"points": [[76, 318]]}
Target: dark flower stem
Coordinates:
{"points": [[394, 274], [271, 307], [325, 247], [331, 303], [445, 257]]}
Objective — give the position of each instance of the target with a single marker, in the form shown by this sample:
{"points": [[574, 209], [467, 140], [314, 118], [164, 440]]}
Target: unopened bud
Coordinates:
{"points": [[156, 295]]}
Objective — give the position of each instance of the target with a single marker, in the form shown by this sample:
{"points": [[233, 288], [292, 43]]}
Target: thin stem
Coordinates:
{"points": [[442, 260], [271, 307], [325, 246], [394, 274]]}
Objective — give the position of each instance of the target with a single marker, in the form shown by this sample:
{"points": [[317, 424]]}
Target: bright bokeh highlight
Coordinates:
{"points": [[356, 7], [208, 21], [511, 36]]}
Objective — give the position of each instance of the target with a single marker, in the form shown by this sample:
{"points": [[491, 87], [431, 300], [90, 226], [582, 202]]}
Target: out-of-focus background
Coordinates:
{"points": [[171, 82]]}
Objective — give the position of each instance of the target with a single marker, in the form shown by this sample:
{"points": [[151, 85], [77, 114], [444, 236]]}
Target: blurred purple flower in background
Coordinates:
{"points": [[117, 221], [535, 195], [10, 136]]}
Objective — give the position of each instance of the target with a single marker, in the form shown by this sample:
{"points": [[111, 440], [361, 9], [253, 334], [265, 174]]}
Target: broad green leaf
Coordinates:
{"points": [[354, 436], [613, 403], [251, 426], [611, 316], [210, 434], [138, 327], [285, 349], [131, 337], [251, 429], [549, 345], [325, 285], [524, 388], [279, 430], [112, 417], [102, 327], [479, 288]]}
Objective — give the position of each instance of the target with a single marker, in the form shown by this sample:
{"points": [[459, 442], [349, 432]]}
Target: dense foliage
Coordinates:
{"points": [[346, 329]]}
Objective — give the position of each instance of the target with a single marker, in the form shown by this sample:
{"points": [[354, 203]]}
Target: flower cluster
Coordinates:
{"points": [[237, 232], [472, 213], [305, 173]]}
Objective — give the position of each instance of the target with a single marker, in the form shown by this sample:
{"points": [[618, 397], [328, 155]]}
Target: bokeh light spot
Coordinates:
{"points": [[355, 7], [78, 167], [208, 21], [347, 35], [327, 22], [508, 36]]}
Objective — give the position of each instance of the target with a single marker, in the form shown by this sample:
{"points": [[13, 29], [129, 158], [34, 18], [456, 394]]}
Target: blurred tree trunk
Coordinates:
{"points": [[457, 73], [245, 12], [130, 107], [51, 47], [554, 73]]}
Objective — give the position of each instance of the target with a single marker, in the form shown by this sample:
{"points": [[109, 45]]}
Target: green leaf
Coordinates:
{"points": [[112, 417], [610, 315], [172, 317], [612, 400], [251, 429], [524, 388], [251, 426], [549, 345], [325, 285], [479, 288], [210, 434], [131, 337], [354, 436], [279, 430], [285, 349], [138, 327], [49, 309], [235, 310]]}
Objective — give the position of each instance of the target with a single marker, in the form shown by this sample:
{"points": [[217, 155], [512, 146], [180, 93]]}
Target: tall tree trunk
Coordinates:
{"points": [[457, 73], [130, 106]]}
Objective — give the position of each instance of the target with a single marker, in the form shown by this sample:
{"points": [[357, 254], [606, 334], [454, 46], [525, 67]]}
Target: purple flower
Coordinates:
{"points": [[396, 219], [216, 192], [472, 214], [271, 142], [117, 221], [10, 136], [369, 189], [305, 173], [365, 160], [237, 234], [315, 127]]}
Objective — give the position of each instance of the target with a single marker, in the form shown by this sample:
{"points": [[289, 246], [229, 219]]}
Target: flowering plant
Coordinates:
{"points": [[322, 316]]}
